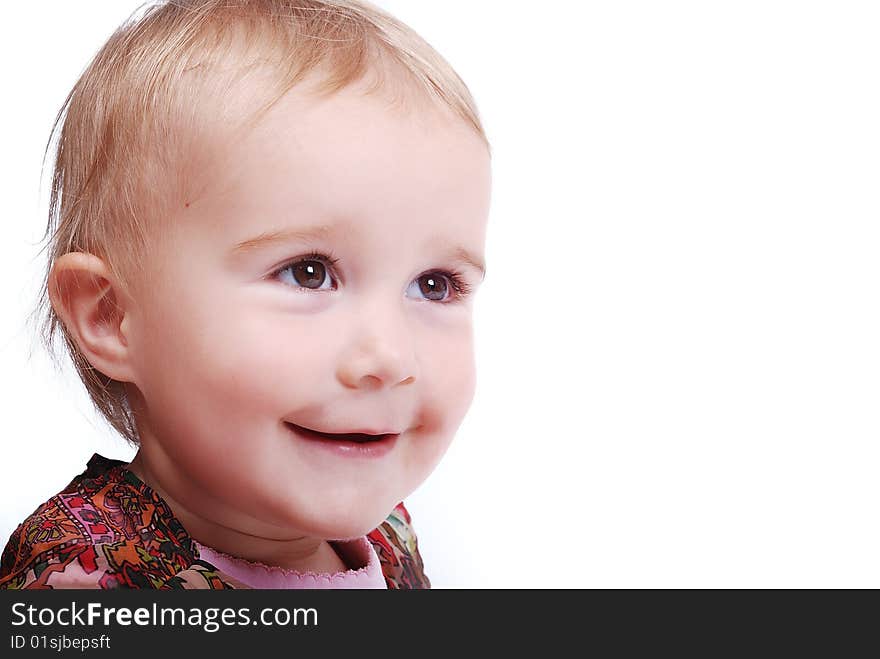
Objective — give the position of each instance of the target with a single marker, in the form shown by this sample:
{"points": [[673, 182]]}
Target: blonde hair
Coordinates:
{"points": [[130, 127]]}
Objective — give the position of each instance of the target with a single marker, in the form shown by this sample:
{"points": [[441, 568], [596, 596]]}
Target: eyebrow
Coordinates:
{"points": [[469, 258], [269, 238]]}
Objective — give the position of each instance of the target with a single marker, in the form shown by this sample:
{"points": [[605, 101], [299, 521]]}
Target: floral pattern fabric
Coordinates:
{"points": [[108, 529]]}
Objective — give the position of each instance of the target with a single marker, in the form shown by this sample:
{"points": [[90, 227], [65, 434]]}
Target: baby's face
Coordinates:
{"points": [[318, 282]]}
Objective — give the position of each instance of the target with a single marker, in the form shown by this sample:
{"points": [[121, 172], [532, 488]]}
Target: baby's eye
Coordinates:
{"points": [[437, 287], [311, 273]]}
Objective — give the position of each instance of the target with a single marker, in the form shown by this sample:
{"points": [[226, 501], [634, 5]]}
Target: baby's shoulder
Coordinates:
{"points": [[47, 547], [397, 546], [102, 531]]}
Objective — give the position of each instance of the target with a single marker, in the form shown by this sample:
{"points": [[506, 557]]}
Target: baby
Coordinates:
{"points": [[267, 229]]}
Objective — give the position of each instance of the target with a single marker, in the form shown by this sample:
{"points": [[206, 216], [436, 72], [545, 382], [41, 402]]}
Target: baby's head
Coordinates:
{"points": [[268, 218]]}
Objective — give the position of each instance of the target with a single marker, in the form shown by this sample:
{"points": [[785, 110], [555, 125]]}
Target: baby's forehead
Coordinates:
{"points": [[256, 108], [312, 158], [343, 146], [343, 173]]}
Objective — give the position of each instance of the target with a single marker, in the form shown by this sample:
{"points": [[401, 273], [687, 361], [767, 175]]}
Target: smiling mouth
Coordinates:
{"points": [[359, 438]]}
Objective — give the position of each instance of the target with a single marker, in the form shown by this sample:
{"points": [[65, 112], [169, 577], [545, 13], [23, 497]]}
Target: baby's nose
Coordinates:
{"points": [[378, 362]]}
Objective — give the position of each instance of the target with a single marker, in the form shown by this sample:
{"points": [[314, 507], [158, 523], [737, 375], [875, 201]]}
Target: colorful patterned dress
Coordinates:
{"points": [[108, 529]]}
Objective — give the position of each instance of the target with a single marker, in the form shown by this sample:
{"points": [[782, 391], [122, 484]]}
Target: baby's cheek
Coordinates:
{"points": [[287, 360], [452, 369], [447, 392], [255, 367]]}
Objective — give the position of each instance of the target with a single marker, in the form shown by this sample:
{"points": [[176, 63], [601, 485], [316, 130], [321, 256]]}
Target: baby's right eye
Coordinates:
{"points": [[310, 272]]}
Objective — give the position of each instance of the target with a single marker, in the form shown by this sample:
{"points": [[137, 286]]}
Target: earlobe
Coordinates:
{"points": [[88, 300]]}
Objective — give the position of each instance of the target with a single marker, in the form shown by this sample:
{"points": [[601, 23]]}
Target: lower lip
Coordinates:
{"points": [[372, 449]]}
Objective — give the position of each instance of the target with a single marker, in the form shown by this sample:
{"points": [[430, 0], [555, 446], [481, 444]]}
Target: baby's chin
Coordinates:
{"points": [[341, 525], [351, 529]]}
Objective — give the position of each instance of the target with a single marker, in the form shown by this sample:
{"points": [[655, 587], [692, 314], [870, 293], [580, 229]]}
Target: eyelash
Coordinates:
{"points": [[460, 288]]}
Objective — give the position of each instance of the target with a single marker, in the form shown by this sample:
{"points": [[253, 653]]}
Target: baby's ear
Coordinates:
{"points": [[87, 299]]}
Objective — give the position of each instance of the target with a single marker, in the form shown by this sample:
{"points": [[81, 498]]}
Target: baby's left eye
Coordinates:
{"points": [[435, 287]]}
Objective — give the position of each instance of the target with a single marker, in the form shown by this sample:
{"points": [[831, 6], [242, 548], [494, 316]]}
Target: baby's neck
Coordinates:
{"points": [[301, 554]]}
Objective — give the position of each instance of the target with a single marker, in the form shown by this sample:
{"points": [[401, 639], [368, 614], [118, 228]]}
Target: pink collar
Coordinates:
{"points": [[364, 569]]}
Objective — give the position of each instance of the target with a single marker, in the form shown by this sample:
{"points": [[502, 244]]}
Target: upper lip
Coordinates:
{"points": [[362, 431]]}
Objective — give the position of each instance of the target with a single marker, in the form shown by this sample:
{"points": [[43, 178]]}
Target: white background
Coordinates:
{"points": [[678, 336]]}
